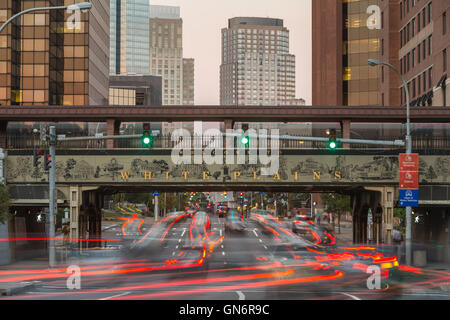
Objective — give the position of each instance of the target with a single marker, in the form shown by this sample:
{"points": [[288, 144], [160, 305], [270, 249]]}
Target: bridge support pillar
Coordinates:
{"points": [[229, 124], [112, 129], [74, 209], [345, 129]]}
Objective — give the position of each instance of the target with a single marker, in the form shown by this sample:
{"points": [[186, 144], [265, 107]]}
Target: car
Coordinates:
{"points": [[222, 210], [305, 227], [234, 222], [301, 224], [191, 212]]}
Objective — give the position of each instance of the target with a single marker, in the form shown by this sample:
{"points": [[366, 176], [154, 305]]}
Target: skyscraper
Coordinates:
{"points": [[188, 82], [343, 41], [45, 60], [257, 68], [130, 37], [166, 51]]}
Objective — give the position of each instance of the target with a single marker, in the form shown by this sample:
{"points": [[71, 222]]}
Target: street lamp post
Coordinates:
{"points": [[408, 240], [83, 6]]}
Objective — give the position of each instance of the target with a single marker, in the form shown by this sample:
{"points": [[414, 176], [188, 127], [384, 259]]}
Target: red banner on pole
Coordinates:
{"points": [[409, 162], [409, 180]]}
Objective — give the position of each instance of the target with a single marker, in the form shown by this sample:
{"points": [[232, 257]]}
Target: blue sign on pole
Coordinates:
{"points": [[408, 197], [156, 194]]}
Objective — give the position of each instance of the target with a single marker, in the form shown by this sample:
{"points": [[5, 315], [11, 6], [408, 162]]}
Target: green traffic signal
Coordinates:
{"points": [[147, 139], [332, 141], [245, 140]]}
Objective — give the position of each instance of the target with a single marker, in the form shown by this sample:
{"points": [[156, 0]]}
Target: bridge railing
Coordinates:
{"points": [[21, 142]]}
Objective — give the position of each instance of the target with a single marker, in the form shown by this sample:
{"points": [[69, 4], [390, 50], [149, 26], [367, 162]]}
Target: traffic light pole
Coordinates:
{"points": [[52, 198], [398, 143]]}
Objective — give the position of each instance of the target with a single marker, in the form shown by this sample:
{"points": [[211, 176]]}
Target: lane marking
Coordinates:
{"points": [[240, 295], [117, 295], [254, 231], [184, 230], [350, 295]]}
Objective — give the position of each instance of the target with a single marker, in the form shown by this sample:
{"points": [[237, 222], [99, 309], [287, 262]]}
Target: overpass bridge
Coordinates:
{"points": [[85, 175]]}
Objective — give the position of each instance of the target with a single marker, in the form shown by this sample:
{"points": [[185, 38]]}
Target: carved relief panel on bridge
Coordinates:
{"points": [[154, 169]]}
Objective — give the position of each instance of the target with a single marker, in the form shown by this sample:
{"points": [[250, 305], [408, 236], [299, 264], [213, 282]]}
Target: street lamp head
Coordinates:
{"points": [[83, 6], [374, 62]]}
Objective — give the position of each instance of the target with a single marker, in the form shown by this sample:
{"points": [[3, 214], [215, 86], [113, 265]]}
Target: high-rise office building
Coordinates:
{"points": [[188, 82], [166, 51], [130, 37], [48, 59], [344, 38], [257, 68], [415, 39]]}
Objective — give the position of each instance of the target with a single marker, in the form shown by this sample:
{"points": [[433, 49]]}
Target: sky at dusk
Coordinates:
{"points": [[202, 24]]}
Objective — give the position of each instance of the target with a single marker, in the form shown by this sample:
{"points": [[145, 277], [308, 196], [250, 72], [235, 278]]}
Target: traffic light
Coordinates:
{"points": [[36, 157], [332, 140], [225, 195], [147, 138], [241, 195], [245, 139], [47, 161]]}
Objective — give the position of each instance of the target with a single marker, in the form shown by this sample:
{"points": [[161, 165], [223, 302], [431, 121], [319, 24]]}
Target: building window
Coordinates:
{"points": [[444, 23], [444, 60], [401, 10], [430, 78], [430, 12], [430, 45]]}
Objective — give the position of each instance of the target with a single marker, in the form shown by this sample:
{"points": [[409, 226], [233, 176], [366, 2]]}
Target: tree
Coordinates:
{"points": [[336, 204], [400, 213], [5, 203]]}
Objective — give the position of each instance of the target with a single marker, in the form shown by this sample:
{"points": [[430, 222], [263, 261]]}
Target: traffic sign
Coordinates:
{"points": [[408, 197], [409, 162], [409, 180], [156, 193]]}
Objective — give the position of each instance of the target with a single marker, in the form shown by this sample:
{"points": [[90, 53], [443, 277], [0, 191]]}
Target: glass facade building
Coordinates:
{"points": [[360, 81], [130, 37], [44, 60]]}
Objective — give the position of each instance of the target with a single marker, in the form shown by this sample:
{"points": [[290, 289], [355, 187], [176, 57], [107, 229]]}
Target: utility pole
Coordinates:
{"points": [[52, 197]]}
